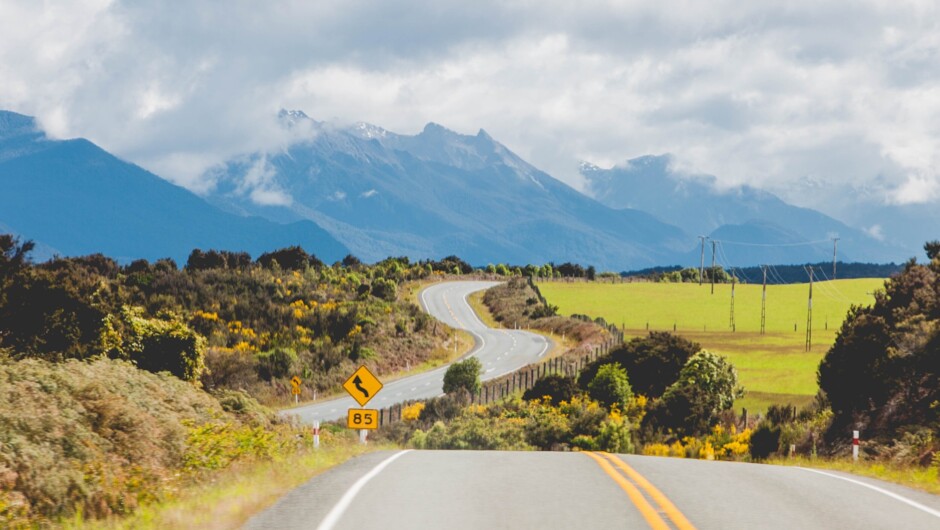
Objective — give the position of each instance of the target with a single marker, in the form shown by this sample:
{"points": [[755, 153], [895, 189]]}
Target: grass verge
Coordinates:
{"points": [[230, 498], [917, 477]]}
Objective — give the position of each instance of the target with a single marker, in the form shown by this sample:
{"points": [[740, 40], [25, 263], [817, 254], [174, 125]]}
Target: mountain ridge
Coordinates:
{"points": [[76, 198]]}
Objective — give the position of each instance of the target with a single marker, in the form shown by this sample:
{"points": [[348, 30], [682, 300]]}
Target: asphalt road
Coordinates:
{"points": [[458, 490], [501, 351]]}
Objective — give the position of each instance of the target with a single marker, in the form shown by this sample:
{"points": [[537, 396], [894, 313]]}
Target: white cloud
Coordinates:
{"points": [[876, 231], [917, 189], [845, 94], [259, 182]]}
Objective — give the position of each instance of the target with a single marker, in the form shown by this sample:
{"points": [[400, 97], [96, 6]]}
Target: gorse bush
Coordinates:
{"points": [[103, 437]]}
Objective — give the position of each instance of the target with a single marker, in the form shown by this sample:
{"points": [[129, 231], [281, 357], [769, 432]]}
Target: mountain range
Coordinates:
{"points": [[74, 198], [374, 193]]}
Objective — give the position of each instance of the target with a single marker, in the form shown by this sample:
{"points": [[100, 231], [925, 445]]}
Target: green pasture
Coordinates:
{"points": [[773, 367]]}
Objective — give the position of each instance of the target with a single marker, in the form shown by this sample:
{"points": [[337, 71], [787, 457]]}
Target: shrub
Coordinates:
{"points": [[610, 386], [765, 440], [463, 375], [385, 289], [707, 385], [276, 364], [159, 345], [556, 387], [652, 363]]}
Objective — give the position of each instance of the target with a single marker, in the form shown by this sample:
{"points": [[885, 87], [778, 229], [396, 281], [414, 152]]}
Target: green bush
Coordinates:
{"points": [[707, 386], [556, 387], [163, 345], [610, 386], [765, 441], [463, 375], [276, 364]]}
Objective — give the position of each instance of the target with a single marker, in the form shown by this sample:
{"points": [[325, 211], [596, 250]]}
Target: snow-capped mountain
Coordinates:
{"points": [[438, 193]]}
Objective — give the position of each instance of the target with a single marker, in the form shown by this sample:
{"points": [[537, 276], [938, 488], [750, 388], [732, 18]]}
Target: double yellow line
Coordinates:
{"points": [[651, 514]]}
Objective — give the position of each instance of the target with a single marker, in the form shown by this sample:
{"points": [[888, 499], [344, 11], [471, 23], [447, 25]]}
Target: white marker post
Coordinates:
{"points": [[363, 433], [855, 446], [316, 434]]}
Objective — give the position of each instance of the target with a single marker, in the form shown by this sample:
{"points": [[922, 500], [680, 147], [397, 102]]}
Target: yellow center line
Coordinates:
{"points": [[664, 503], [646, 509], [459, 323]]}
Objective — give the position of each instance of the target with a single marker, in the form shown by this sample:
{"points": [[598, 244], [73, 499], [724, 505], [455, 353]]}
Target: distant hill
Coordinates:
{"points": [[74, 198], [438, 193], [755, 226]]}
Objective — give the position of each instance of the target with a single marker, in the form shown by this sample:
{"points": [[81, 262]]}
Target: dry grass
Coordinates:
{"points": [[228, 500]]}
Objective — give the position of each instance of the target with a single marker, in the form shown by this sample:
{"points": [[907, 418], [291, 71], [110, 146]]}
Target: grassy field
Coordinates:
{"points": [[774, 367]]}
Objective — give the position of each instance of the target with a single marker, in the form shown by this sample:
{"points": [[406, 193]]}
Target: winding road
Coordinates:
{"points": [[463, 490], [501, 351]]}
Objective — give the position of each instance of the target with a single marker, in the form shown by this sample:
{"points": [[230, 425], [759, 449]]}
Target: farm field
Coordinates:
{"points": [[774, 367]]}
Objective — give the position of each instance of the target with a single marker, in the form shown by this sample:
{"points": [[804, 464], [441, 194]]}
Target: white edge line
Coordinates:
{"points": [[883, 491], [333, 517]]}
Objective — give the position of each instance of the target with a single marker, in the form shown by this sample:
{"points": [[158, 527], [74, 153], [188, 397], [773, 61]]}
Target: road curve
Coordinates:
{"points": [[501, 351], [461, 490]]}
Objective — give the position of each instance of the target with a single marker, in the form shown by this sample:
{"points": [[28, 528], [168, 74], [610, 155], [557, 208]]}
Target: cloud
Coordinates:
{"points": [[845, 94], [259, 183]]}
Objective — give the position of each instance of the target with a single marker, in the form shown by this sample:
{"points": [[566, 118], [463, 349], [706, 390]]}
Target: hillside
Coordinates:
{"points": [[75, 198]]}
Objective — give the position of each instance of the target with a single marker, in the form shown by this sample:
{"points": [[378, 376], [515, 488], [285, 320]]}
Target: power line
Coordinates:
{"points": [[800, 244]]}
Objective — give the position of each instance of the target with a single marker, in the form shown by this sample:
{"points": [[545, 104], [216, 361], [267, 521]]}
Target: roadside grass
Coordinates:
{"points": [[560, 344], [229, 499], [912, 476], [774, 368]]}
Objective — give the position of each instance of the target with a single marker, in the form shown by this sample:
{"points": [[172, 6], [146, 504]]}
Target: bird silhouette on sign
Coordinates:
{"points": [[358, 383]]}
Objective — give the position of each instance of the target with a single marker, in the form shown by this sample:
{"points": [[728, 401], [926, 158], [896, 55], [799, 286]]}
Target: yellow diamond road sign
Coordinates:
{"points": [[362, 385]]}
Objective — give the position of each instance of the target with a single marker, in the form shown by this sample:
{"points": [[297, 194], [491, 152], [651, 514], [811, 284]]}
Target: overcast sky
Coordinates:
{"points": [[819, 101]]}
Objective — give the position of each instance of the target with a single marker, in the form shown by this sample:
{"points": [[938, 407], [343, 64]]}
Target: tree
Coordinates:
{"points": [[707, 386], [464, 374], [591, 273], [652, 362], [932, 248], [611, 386], [290, 258], [883, 371]]}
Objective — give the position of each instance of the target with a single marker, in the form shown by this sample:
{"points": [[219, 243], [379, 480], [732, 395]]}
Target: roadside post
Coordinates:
{"points": [[362, 385], [316, 434], [295, 383], [855, 446]]}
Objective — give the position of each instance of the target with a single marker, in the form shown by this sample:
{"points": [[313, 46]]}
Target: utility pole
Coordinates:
{"points": [[763, 303], [701, 267], [734, 279], [713, 266], [809, 311], [835, 243]]}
